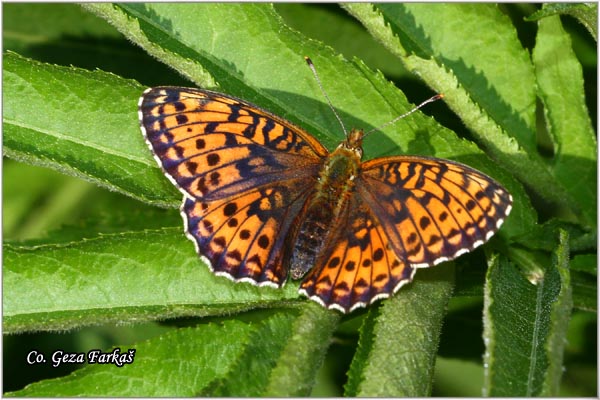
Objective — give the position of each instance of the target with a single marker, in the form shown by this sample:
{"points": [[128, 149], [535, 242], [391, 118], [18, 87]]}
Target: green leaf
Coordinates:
{"points": [[66, 34], [399, 340], [51, 195], [560, 316], [498, 111], [42, 206], [525, 326], [560, 83], [282, 361], [585, 13], [181, 363], [304, 352], [26, 29], [585, 291], [332, 25], [81, 123], [225, 358], [480, 73], [135, 276], [585, 263]]}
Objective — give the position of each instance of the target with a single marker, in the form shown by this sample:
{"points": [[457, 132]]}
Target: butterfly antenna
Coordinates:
{"points": [[314, 71], [429, 100]]}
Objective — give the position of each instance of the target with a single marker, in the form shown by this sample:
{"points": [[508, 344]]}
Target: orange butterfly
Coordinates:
{"points": [[263, 199]]}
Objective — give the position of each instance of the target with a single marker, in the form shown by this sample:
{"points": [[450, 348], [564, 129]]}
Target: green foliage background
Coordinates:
{"points": [[94, 256]]}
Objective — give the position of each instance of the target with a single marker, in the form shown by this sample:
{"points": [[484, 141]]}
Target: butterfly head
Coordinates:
{"points": [[354, 141]]}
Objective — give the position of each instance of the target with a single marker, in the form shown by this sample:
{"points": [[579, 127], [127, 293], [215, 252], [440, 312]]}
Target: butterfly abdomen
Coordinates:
{"points": [[310, 239], [334, 188]]}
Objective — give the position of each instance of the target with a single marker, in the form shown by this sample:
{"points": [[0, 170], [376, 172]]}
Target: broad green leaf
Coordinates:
{"points": [[399, 340], [289, 82], [525, 326], [81, 123], [284, 85], [117, 278], [498, 114], [560, 83], [413, 33], [181, 363]]}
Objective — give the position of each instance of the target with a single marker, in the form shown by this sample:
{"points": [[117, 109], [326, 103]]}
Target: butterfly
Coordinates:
{"points": [[264, 201]]}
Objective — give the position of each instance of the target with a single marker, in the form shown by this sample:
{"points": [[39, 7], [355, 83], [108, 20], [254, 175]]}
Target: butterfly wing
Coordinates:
{"points": [[244, 173], [433, 210], [212, 146], [405, 213], [243, 237], [359, 265]]}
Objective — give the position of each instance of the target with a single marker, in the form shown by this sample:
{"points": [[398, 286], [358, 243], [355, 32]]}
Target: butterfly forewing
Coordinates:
{"points": [[213, 146]]}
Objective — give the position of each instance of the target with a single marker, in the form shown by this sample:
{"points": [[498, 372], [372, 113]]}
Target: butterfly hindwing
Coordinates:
{"points": [[243, 237], [358, 264]]}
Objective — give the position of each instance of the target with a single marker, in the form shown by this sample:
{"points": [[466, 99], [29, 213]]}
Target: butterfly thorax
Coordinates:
{"points": [[334, 187]]}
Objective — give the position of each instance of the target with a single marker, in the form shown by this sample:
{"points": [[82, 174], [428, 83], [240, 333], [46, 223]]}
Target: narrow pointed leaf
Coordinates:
{"points": [[398, 342], [585, 13], [560, 82], [296, 369], [525, 327], [282, 359]]}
